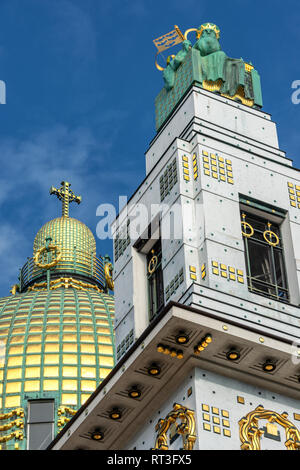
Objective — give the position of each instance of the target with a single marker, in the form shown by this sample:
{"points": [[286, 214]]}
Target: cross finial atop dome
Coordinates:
{"points": [[66, 195]]}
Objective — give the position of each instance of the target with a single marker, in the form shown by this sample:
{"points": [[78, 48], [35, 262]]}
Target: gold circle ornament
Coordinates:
{"points": [[159, 67], [108, 271], [152, 264], [188, 31], [269, 235], [53, 263], [244, 225]]}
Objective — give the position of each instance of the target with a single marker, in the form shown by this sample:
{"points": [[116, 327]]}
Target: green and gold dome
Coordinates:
{"points": [[56, 332]]}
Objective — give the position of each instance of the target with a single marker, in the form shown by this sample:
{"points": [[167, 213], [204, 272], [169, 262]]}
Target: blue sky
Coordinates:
{"points": [[81, 84]]}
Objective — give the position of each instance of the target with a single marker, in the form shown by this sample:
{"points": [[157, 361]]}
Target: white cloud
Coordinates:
{"points": [[45, 158], [29, 167]]}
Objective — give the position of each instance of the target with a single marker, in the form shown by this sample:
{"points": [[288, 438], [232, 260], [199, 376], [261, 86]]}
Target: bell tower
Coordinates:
{"points": [[220, 237], [206, 271], [220, 199]]}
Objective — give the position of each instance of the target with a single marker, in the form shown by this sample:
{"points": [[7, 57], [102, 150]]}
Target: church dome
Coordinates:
{"points": [[56, 343], [59, 340], [56, 330]]}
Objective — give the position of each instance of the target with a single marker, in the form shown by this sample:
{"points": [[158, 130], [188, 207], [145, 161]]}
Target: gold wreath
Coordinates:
{"points": [[108, 276], [152, 264], [159, 67], [53, 263], [272, 234]]}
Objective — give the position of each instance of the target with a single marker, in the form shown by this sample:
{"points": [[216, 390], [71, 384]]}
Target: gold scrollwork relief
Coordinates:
{"points": [[64, 410], [16, 412], [65, 282], [186, 427], [250, 433]]}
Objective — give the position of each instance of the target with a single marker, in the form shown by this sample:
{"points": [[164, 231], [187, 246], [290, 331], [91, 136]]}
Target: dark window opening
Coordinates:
{"points": [[155, 280], [264, 257], [40, 424]]}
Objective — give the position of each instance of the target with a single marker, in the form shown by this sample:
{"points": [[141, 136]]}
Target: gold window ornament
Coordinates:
{"points": [[186, 427], [271, 236], [152, 263], [247, 229], [250, 433]]}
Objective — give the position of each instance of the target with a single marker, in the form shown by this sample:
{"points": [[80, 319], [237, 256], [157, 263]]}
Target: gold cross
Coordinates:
{"points": [[66, 195]]}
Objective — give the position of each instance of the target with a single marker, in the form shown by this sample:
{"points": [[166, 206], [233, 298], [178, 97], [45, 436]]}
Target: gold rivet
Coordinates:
{"points": [[261, 340], [225, 327]]}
